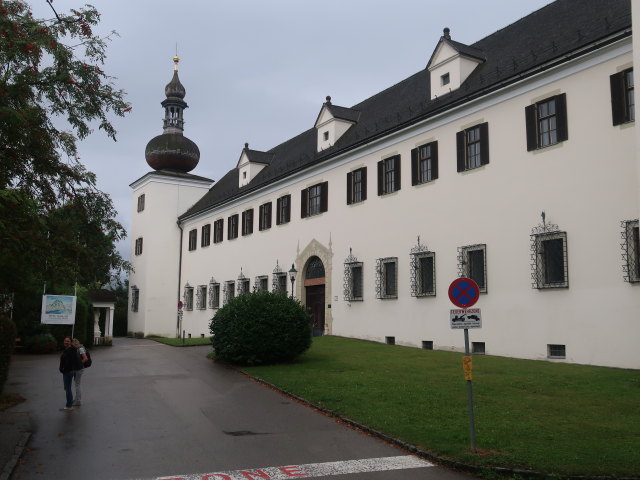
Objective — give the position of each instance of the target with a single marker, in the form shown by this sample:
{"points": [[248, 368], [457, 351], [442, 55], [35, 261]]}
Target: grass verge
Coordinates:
{"points": [[178, 342], [552, 418]]}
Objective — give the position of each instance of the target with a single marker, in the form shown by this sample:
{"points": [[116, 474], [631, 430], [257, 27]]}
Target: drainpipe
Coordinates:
{"points": [[179, 279]]}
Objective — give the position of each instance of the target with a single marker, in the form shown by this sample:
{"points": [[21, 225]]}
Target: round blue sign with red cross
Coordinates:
{"points": [[464, 292]]}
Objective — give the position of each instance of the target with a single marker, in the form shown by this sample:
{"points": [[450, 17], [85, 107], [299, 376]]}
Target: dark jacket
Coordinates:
{"points": [[70, 360]]}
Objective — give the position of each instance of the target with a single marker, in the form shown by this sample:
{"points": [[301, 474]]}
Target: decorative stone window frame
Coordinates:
{"points": [[243, 284], [201, 297], [415, 268], [277, 285], [464, 264], [541, 234], [383, 291], [229, 291], [188, 297], [214, 294], [630, 251], [351, 266], [258, 284]]}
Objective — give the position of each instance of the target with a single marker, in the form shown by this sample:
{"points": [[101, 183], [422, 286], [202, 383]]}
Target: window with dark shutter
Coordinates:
{"points": [[232, 228], [304, 203], [314, 200], [357, 186], [389, 175], [205, 239], [472, 147], [193, 239], [546, 122], [424, 163], [247, 222], [264, 220], [141, 203], [324, 197], [622, 97], [283, 213], [218, 231]]}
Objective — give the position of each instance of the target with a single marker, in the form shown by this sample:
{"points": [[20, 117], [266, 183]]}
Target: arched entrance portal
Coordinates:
{"points": [[314, 285]]}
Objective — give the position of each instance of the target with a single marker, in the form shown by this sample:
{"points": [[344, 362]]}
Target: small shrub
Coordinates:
{"points": [[260, 328], [41, 343], [7, 344]]}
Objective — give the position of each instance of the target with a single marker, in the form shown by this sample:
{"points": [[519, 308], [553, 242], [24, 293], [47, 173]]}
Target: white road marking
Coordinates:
{"points": [[311, 470]]}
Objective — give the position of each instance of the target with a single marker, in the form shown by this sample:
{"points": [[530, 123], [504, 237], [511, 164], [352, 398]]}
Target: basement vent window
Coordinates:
{"points": [[427, 344], [477, 348], [390, 340], [556, 351]]}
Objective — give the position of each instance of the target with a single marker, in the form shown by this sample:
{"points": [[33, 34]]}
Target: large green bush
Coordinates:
{"points": [[40, 343], [260, 328], [7, 344]]}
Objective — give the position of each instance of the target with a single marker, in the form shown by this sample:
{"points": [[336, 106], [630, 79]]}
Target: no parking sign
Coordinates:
{"points": [[464, 292]]}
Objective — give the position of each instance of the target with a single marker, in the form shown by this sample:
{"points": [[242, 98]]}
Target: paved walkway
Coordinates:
{"points": [[152, 411]]}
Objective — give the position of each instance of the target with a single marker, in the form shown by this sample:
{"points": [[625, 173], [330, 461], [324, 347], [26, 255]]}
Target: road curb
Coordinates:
{"points": [[17, 453]]}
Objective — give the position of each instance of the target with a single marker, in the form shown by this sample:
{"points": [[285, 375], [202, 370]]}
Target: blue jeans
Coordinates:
{"points": [[67, 378]]}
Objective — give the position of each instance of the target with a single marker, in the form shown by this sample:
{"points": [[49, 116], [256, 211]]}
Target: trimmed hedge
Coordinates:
{"points": [[7, 344], [260, 328]]}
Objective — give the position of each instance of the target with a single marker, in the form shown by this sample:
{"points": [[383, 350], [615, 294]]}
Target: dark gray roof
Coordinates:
{"points": [[463, 49], [256, 156], [344, 113], [552, 34]]}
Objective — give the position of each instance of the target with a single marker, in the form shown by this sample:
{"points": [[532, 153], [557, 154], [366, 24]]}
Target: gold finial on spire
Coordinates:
{"points": [[176, 59]]}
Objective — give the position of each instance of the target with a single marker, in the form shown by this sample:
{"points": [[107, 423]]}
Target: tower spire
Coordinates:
{"points": [[172, 150]]}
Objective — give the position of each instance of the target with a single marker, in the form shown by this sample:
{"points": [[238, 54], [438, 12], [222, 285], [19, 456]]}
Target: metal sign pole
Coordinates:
{"points": [[472, 429]]}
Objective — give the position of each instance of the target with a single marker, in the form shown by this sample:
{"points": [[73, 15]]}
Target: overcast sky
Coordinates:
{"points": [[258, 71]]}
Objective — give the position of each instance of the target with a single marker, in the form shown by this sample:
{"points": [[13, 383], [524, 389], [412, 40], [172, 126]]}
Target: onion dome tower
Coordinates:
{"points": [[172, 150]]}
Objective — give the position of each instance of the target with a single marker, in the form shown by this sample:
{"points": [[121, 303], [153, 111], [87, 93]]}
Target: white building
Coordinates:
{"points": [[513, 161]]}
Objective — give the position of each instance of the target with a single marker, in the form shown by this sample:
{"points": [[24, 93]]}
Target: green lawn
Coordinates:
{"points": [[178, 342], [534, 415]]}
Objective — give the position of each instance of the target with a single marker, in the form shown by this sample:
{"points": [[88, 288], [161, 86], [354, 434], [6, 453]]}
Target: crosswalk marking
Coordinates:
{"points": [[311, 470]]}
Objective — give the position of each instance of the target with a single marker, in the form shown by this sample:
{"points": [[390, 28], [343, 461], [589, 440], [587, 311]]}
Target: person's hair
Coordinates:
{"points": [[76, 343]]}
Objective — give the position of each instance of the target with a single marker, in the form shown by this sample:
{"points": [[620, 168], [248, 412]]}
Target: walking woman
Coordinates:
{"points": [[82, 353], [68, 363]]}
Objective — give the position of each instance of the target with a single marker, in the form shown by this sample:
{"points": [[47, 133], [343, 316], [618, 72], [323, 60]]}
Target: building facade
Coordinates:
{"points": [[513, 161]]}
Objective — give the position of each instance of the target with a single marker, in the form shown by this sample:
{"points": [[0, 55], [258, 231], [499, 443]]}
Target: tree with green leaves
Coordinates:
{"points": [[56, 227], [52, 89]]}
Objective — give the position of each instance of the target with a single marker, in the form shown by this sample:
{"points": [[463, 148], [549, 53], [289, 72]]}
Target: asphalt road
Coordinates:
{"points": [[152, 411]]}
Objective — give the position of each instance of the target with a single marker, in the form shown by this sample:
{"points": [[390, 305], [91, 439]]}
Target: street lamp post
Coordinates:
{"points": [[292, 275]]}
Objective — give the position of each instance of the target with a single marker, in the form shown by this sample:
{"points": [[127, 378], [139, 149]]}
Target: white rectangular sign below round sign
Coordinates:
{"points": [[466, 318]]}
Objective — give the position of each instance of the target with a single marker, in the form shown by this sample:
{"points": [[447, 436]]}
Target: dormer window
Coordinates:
{"points": [[332, 123], [451, 64], [251, 164]]}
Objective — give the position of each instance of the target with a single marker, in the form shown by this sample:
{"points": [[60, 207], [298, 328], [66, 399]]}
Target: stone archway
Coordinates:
{"points": [[314, 290]]}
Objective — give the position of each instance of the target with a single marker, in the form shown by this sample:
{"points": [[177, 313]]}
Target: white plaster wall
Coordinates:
{"points": [[586, 186], [156, 270], [635, 19]]}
